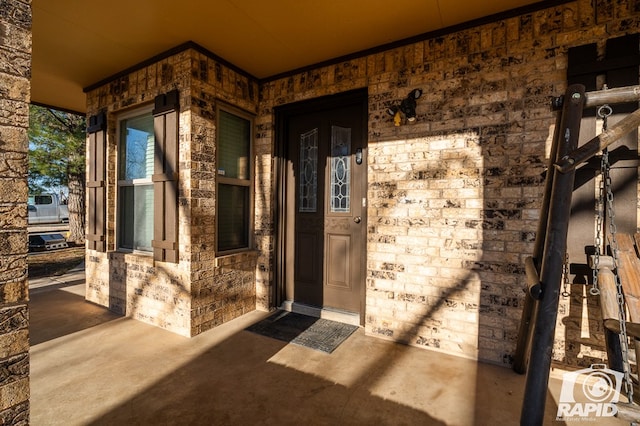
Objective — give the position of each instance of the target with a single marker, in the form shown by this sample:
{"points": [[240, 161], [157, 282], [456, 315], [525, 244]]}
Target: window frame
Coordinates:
{"points": [[120, 183], [225, 180]]}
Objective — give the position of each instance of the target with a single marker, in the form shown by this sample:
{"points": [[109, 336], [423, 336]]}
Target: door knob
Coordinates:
{"points": [[357, 219]]}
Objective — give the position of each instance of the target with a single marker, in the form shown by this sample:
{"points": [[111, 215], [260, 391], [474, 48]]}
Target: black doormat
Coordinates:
{"points": [[315, 333]]}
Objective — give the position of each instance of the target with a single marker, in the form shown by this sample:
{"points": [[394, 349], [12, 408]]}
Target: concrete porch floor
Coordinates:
{"points": [[91, 367]]}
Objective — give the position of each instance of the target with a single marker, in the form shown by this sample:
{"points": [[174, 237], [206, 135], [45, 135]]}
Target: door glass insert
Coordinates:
{"points": [[340, 169], [308, 171]]}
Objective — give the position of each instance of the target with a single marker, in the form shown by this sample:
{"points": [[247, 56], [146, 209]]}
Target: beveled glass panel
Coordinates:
{"points": [[308, 197], [340, 169]]}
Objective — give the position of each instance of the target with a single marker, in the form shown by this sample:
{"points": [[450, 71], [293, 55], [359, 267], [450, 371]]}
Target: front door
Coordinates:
{"points": [[326, 208]]}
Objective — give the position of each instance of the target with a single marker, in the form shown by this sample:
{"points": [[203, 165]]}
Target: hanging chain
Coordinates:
{"points": [[624, 343], [604, 112], [594, 290], [565, 273]]}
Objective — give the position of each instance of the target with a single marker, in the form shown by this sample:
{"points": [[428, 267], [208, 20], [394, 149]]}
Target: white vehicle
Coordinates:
{"points": [[47, 208]]}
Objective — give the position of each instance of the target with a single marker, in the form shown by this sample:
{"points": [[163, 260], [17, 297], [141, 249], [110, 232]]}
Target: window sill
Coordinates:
{"points": [[128, 254], [232, 258]]}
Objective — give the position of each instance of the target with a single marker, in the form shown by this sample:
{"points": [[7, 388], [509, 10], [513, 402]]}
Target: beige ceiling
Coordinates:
{"points": [[77, 43]]}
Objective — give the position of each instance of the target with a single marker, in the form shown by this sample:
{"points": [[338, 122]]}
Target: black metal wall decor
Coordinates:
{"points": [[407, 108]]}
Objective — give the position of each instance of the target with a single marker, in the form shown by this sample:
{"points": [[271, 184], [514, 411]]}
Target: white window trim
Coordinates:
{"points": [[136, 112]]}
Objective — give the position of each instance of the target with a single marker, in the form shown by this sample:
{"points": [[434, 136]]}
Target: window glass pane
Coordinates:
{"points": [[143, 213], [233, 215], [234, 146], [43, 199], [308, 171], [340, 169], [136, 217], [135, 193], [136, 148]]}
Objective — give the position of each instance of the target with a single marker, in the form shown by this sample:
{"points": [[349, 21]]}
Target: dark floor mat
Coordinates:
{"points": [[315, 333]]}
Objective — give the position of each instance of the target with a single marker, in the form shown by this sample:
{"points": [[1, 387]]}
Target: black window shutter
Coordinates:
{"points": [[96, 183], [165, 178]]}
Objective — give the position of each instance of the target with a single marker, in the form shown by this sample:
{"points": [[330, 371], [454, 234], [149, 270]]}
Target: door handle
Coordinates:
{"points": [[357, 219]]}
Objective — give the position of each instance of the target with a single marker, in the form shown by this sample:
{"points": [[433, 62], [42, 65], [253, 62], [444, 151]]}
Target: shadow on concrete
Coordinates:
{"points": [[126, 372], [235, 383], [59, 310]]}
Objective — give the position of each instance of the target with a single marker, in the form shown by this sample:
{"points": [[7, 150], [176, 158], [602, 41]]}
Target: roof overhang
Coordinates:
{"points": [[77, 44]]}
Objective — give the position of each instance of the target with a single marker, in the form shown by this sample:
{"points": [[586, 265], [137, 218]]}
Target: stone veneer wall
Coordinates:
{"points": [[15, 95], [453, 202], [223, 288], [200, 291], [454, 198]]}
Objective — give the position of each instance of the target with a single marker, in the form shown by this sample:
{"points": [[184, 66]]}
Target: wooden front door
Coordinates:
{"points": [[326, 207]]}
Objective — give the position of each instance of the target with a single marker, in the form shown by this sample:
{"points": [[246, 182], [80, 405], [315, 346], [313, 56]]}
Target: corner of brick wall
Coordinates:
{"points": [[201, 291], [223, 287]]}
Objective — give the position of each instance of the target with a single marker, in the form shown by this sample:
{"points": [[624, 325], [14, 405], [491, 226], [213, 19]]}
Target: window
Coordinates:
{"points": [[309, 171], [340, 169], [135, 186], [234, 194], [41, 199]]}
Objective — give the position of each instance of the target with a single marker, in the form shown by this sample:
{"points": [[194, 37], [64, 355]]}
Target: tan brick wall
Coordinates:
{"points": [[454, 198], [223, 288], [15, 90], [200, 291], [230, 294]]}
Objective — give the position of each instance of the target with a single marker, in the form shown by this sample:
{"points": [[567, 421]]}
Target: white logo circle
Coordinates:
{"points": [[598, 386]]}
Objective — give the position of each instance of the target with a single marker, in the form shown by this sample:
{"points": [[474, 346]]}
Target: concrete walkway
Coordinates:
{"points": [[92, 367]]}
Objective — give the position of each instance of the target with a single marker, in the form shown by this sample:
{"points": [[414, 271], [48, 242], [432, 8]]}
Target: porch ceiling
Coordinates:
{"points": [[78, 43]]}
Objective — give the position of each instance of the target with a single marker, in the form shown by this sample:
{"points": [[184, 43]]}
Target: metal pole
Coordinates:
{"points": [[619, 95], [614, 350], [521, 354], [552, 264], [574, 158]]}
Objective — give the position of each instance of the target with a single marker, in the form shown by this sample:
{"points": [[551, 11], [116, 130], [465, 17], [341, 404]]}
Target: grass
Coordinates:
{"points": [[54, 262]]}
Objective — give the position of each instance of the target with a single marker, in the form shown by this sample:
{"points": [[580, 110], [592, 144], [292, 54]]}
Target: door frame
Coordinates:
{"points": [[283, 114]]}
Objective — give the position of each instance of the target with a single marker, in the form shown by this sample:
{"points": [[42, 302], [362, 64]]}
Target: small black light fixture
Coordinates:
{"points": [[407, 108]]}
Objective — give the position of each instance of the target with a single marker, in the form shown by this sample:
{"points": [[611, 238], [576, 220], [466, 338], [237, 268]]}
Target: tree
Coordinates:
{"points": [[57, 159]]}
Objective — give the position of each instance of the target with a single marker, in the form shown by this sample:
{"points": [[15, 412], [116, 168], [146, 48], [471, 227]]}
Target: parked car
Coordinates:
{"points": [[47, 208]]}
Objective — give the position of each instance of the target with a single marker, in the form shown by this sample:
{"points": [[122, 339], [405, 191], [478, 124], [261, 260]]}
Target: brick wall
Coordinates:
{"points": [[129, 284], [200, 291], [454, 198], [15, 73], [222, 288]]}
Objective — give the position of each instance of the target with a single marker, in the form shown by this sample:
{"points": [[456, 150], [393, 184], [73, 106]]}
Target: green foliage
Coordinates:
{"points": [[56, 148]]}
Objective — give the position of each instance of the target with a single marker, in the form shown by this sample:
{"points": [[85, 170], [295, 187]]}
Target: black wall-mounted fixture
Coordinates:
{"points": [[407, 108]]}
